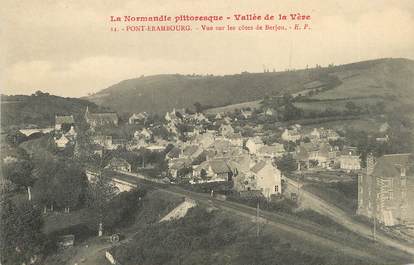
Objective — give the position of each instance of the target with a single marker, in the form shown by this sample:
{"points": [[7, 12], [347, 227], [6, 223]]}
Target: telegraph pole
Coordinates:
{"points": [[375, 224], [257, 220]]}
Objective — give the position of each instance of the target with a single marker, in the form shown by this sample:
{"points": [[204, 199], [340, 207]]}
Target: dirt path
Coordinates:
{"points": [[311, 201]]}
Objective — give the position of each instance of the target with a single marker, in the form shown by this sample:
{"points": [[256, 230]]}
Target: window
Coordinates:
{"points": [[390, 195], [277, 188]]}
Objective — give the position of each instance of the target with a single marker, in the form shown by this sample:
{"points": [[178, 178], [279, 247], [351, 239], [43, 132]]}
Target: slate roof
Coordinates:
{"points": [[190, 150], [219, 166], [174, 152], [259, 166], [270, 149]]}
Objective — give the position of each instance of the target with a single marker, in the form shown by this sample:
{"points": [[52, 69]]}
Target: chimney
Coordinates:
{"points": [[370, 163]]}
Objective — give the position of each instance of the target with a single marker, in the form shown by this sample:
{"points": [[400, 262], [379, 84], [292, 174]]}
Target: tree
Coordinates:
{"points": [[286, 163], [71, 187], [203, 174], [198, 107], [20, 173], [15, 138], [289, 146], [291, 112], [20, 233], [61, 183], [100, 195]]}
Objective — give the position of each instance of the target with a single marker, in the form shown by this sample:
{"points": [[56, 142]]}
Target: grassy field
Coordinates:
{"points": [[56, 221], [230, 108], [342, 194], [338, 105], [365, 123], [380, 79]]}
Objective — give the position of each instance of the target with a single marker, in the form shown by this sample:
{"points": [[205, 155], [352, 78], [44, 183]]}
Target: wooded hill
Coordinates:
{"points": [[160, 93], [40, 109]]}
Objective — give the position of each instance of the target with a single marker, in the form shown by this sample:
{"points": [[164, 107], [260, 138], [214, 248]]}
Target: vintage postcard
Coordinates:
{"points": [[207, 132]]}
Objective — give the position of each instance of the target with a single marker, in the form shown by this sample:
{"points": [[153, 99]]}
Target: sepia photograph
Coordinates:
{"points": [[201, 132]]}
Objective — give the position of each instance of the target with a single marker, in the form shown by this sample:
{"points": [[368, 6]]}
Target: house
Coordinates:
{"points": [[246, 113], [386, 190], [61, 141], [177, 167], [101, 119], [226, 129], [292, 135], [384, 139], [384, 127], [205, 140], [175, 152], [138, 118], [315, 134], [270, 112], [61, 120], [172, 128], [227, 120], [175, 116], [191, 152], [144, 134], [213, 171], [198, 118], [331, 135], [349, 159], [119, 164], [263, 177], [323, 154], [271, 151], [322, 133], [105, 141], [253, 144], [71, 133], [235, 139]]}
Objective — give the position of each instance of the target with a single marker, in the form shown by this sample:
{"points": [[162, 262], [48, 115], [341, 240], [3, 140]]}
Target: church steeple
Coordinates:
{"points": [[87, 113]]}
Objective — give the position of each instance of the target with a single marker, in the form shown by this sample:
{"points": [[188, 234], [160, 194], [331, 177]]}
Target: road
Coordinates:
{"points": [[306, 231], [310, 200]]}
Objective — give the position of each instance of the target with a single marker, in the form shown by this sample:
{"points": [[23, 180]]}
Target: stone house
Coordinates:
{"points": [[213, 170], [138, 118], [119, 164], [349, 159], [271, 151], [386, 190], [101, 119]]}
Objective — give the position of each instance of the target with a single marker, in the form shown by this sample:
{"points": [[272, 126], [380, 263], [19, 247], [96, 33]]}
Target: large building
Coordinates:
{"points": [[386, 190], [101, 119]]}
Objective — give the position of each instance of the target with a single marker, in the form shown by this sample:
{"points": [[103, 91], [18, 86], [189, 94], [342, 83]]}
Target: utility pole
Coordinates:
{"points": [[257, 220], [375, 227]]}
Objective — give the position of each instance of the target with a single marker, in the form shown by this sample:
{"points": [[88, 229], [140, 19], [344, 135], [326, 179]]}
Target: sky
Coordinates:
{"points": [[66, 47]]}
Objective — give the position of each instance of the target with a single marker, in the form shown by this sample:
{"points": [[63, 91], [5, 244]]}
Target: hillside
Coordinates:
{"points": [[159, 93], [39, 109]]}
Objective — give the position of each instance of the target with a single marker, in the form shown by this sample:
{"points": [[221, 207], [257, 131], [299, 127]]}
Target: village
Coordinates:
{"points": [[101, 164], [186, 147]]}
